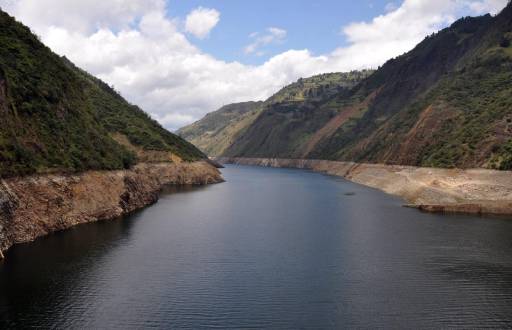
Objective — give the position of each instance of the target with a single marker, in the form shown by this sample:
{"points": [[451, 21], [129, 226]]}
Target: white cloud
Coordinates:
{"points": [[83, 16], [486, 6], [201, 21], [137, 47], [273, 35], [396, 32], [176, 119]]}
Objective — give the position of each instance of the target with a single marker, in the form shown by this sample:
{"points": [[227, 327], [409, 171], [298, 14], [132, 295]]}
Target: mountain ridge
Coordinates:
{"points": [[214, 136], [446, 103]]}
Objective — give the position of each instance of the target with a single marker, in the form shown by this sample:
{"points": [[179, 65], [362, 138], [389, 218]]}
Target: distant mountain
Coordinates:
{"points": [[56, 117], [446, 103], [219, 130]]}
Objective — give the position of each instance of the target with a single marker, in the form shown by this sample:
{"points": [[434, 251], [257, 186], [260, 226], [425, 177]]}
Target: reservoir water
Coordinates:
{"points": [[270, 248]]}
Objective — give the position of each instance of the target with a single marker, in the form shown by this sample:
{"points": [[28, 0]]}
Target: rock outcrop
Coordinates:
{"points": [[475, 191], [35, 206]]}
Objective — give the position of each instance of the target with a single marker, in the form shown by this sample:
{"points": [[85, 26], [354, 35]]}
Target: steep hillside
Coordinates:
{"points": [[219, 130], [447, 103], [56, 117]]}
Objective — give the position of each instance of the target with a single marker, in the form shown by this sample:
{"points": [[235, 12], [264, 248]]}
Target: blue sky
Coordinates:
{"points": [[314, 25]]}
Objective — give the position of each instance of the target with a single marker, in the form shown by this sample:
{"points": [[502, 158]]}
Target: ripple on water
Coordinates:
{"points": [[271, 248]]}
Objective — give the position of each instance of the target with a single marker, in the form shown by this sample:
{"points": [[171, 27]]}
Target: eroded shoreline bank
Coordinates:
{"points": [[31, 207], [472, 191]]}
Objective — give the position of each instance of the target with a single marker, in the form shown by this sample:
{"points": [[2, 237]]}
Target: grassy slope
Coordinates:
{"points": [[447, 103], [292, 107], [57, 118], [220, 132], [217, 130]]}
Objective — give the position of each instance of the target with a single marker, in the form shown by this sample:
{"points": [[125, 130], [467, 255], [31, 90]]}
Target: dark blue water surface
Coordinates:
{"points": [[270, 248]]}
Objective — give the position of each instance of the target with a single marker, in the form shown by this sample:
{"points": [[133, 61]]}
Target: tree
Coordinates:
{"points": [[505, 43]]}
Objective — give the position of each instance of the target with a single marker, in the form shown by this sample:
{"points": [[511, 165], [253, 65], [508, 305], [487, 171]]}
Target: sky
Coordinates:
{"points": [[179, 60]]}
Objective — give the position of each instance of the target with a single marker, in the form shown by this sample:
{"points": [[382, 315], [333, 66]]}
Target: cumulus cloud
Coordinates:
{"points": [[135, 46], [486, 6], [273, 35], [391, 34], [84, 16], [201, 21], [176, 119]]}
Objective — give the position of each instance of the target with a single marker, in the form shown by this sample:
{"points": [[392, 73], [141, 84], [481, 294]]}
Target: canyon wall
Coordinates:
{"points": [[476, 191], [35, 206]]}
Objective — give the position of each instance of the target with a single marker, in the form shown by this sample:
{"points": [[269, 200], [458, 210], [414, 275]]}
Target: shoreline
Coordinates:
{"points": [[437, 190], [35, 206]]}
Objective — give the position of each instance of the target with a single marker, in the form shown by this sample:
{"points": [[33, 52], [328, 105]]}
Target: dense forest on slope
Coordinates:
{"points": [[446, 103], [57, 117], [218, 130]]}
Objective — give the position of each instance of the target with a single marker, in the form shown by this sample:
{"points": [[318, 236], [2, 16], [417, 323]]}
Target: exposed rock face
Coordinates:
{"points": [[447, 103], [476, 191], [34, 206]]}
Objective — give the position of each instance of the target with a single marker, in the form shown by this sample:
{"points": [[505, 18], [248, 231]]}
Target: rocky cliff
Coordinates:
{"points": [[476, 191], [34, 206]]}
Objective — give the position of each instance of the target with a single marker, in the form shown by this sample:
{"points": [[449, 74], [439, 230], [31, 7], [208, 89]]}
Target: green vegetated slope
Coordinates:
{"points": [[446, 103], [56, 117], [219, 130]]}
